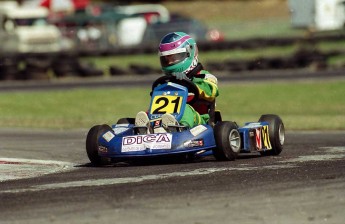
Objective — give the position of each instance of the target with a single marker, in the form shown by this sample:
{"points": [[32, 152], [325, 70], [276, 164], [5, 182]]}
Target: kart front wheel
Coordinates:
{"points": [[92, 144], [228, 141], [276, 133]]}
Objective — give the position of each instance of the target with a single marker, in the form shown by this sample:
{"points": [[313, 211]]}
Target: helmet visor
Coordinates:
{"points": [[172, 59]]}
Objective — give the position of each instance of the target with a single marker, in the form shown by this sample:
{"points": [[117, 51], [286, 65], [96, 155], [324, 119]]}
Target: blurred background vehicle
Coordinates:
{"points": [[159, 22], [25, 29], [195, 28], [104, 26]]}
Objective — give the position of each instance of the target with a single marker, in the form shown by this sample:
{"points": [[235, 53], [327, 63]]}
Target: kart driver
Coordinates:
{"points": [[179, 57]]}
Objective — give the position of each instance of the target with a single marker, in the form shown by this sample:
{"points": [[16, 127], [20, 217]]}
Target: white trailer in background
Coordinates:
{"points": [[317, 15]]}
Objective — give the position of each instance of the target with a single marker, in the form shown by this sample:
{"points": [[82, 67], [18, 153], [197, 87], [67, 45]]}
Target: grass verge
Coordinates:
{"points": [[302, 106]]}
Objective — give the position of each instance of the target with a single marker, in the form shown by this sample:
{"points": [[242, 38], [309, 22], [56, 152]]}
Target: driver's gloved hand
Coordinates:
{"points": [[180, 75]]}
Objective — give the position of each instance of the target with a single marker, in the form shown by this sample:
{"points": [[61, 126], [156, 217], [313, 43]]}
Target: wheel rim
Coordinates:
{"points": [[235, 140], [281, 134]]}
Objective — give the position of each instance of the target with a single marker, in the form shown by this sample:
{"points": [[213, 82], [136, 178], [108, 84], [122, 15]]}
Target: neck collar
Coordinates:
{"points": [[195, 71]]}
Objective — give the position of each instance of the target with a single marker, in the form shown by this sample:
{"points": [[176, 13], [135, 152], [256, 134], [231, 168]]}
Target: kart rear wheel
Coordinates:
{"points": [[228, 141], [92, 144], [276, 133]]}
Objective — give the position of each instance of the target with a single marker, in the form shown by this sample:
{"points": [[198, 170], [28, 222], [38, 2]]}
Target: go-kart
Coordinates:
{"points": [[224, 140]]}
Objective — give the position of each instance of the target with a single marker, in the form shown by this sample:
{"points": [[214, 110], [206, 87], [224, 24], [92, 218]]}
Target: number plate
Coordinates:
{"points": [[168, 98], [166, 104]]}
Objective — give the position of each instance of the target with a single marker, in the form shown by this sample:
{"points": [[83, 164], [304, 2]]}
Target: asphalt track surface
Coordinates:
{"points": [[46, 178], [305, 184]]}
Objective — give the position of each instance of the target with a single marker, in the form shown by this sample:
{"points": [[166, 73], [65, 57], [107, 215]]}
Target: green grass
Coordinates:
{"points": [[234, 30], [302, 105]]}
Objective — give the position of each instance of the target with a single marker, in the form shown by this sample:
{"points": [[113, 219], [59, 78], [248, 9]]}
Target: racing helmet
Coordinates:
{"points": [[178, 53]]}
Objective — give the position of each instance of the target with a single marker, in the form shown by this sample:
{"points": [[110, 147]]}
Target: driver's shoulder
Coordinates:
{"points": [[208, 76]]}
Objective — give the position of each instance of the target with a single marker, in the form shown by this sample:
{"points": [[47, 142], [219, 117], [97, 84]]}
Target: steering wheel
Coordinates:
{"points": [[192, 88]]}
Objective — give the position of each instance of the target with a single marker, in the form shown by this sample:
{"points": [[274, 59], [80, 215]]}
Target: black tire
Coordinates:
{"points": [[88, 70], [115, 71], [9, 68], [126, 120], [92, 144], [228, 141], [276, 133], [65, 66]]}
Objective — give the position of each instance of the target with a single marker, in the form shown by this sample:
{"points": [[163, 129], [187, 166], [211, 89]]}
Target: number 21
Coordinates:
{"points": [[164, 108]]}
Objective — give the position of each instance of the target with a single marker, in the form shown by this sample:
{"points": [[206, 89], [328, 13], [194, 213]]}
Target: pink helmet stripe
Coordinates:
{"points": [[173, 45]]}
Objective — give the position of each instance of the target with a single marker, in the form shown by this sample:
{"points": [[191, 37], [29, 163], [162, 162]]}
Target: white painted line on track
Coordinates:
{"points": [[326, 153], [15, 168], [127, 180]]}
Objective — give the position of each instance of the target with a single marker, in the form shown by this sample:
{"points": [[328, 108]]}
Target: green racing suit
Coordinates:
{"points": [[207, 84]]}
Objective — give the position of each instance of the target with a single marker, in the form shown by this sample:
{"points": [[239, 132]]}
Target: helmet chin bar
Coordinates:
{"points": [[193, 65]]}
